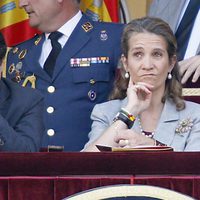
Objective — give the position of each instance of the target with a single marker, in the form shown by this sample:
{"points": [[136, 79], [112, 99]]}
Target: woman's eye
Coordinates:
{"points": [[157, 54], [137, 54]]}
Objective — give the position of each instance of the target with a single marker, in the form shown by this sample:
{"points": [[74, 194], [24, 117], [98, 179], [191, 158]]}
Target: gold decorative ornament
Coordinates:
{"points": [[37, 41], [87, 26], [11, 68], [30, 79], [22, 54], [15, 50]]}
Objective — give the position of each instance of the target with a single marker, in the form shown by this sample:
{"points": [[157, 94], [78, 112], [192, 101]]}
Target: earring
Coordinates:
{"points": [[126, 75], [169, 75]]}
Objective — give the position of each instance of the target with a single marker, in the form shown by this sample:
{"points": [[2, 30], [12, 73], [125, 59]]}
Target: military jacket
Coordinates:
{"points": [[83, 76]]}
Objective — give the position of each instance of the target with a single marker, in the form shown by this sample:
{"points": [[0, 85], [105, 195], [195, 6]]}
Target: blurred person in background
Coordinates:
{"points": [[21, 114], [183, 16]]}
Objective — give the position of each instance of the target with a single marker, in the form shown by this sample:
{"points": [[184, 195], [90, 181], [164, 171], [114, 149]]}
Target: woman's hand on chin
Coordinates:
{"points": [[139, 97]]}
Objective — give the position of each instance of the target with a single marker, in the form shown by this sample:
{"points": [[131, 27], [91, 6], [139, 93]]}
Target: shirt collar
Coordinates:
{"points": [[69, 26]]}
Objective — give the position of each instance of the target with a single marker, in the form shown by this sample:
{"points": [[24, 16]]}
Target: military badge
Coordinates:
{"points": [[103, 35], [22, 54], [18, 65], [37, 41], [92, 95], [18, 76], [15, 50], [184, 126], [87, 26], [11, 69]]}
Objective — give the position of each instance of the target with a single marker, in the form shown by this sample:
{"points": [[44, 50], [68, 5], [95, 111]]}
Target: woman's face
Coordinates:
{"points": [[148, 59]]}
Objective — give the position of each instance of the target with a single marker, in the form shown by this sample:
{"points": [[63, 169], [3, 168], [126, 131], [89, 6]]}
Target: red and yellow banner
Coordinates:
{"points": [[14, 23], [101, 10]]}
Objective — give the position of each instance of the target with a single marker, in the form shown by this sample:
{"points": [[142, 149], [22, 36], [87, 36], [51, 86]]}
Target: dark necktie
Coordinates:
{"points": [[185, 27], [56, 48]]}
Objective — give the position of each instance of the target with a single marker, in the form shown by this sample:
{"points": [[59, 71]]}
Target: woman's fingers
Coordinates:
{"points": [[146, 85]]}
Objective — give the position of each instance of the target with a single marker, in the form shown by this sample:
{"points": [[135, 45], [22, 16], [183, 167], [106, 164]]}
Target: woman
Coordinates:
{"points": [[21, 114], [147, 104]]}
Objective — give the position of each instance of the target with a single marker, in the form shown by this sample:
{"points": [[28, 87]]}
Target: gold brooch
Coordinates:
{"points": [[184, 126]]}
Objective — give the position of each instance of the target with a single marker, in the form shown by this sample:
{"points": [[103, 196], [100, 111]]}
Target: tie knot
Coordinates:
{"points": [[55, 35]]}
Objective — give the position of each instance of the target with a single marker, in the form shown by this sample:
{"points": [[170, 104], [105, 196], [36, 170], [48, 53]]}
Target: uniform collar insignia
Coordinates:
{"points": [[37, 41], [15, 50], [87, 26]]}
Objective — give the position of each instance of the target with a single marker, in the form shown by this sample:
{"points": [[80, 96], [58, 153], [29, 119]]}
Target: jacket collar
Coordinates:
{"points": [[165, 130]]}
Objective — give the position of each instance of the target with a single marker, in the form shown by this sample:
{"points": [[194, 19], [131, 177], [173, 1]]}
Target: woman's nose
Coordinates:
{"points": [[147, 63]]}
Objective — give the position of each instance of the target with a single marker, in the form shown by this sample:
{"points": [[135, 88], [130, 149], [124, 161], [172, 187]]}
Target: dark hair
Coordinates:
{"points": [[2, 47], [173, 88]]}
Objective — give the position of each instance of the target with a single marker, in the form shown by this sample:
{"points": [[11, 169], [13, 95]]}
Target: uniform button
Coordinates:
{"points": [[92, 95], [51, 89], [92, 81], [50, 109], [50, 132]]}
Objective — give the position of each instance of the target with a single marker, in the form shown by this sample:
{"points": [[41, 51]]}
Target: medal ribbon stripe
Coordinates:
{"points": [[86, 62]]}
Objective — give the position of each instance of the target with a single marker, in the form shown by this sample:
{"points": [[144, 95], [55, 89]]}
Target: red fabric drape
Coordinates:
{"points": [[113, 8], [52, 188], [56, 188], [59, 174], [189, 185], [18, 33]]}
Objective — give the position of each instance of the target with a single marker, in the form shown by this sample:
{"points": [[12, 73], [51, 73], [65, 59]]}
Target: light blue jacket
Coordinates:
{"points": [[188, 140]]}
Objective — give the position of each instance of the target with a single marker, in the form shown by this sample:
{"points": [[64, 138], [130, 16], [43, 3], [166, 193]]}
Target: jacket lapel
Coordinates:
{"points": [[32, 60], [167, 123]]}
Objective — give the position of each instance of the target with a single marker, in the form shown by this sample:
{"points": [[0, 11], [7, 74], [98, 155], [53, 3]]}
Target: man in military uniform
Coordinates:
{"points": [[83, 73]]}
